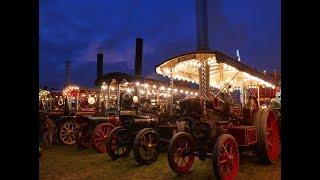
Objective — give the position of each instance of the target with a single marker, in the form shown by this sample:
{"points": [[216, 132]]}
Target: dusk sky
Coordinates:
{"points": [[75, 30]]}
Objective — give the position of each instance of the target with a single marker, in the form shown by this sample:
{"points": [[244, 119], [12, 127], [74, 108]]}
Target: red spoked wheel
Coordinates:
{"points": [[83, 137], [119, 143], [226, 157], [180, 155], [268, 136], [100, 135]]}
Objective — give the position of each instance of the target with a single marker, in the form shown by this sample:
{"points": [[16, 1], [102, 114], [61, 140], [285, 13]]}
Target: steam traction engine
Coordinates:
{"points": [[215, 125], [145, 125]]}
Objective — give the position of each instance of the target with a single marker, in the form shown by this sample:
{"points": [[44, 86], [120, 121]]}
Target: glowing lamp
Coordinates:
{"points": [[135, 99], [91, 100]]}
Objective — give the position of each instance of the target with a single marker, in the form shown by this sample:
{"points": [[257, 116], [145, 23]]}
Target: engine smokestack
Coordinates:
{"points": [[138, 59], [67, 73], [202, 24], [99, 64]]}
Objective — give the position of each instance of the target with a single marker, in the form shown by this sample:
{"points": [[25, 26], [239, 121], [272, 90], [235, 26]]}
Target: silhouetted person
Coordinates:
{"points": [[48, 131]]}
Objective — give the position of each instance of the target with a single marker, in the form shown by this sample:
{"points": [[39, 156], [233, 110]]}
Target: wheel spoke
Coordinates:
{"points": [[100, 132], [222, 161], [224, 147], [122, 149], [108, 131], [184, 160], [178, 159]]}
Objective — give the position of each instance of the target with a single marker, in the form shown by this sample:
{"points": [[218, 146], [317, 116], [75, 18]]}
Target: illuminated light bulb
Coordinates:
{"points": [[175, 90], [162, 88], [191, 93], [146, 85], [187, 92], [181, 91], [104, 86], [169, 89], [154, 86], [137, 84]]}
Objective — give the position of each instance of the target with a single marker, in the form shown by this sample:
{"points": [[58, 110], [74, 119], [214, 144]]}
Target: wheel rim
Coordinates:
{"points": [[272, 137], [228, 159], [148, 146], [182, 154], [67, 133], [100, 135], [119, 143]]}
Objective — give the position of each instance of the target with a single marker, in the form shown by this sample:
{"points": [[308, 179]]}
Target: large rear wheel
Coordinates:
{"points": [[268, 145]]}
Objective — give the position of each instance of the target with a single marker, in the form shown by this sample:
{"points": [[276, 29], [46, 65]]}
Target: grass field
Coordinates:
{"points": [[67, 162]]}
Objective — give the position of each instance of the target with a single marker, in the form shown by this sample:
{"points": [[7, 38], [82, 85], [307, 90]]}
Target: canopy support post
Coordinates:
{"points": [[204, 83], [108, 98], [171, 91], [118, 99], [258, 89]]}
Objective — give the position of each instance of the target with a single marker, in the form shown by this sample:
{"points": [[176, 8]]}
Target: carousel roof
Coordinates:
{"points": [[222, 68]]}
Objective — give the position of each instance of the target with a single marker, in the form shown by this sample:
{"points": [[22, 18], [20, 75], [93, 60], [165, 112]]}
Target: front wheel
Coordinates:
{"points": [[119, 143], [225, 159], [180, 155], [68, 132], [100, 135], [146, 146], [83, 137]]}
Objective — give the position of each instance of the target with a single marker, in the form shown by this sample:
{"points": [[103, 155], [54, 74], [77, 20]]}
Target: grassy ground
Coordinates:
{"points": [[67, 162]]}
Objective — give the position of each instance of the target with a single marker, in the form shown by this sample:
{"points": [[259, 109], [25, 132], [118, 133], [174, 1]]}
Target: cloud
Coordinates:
{"points": [[76, 29]]}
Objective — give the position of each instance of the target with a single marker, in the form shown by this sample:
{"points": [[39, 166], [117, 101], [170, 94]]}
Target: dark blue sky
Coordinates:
{"points": [[76, 29]]}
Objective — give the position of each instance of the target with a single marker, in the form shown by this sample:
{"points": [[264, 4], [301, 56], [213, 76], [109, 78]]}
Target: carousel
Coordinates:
{"points": [[223, 127]]}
